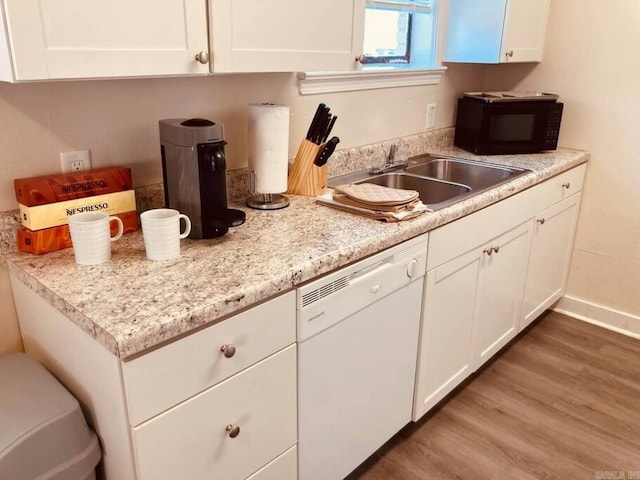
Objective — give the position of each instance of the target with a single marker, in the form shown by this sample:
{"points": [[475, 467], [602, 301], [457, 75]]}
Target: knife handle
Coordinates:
{"points": [[326, 151], [312, 132]]}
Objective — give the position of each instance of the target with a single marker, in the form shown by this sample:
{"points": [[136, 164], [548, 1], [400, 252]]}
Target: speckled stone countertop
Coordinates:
{"points": [[131, 304]]}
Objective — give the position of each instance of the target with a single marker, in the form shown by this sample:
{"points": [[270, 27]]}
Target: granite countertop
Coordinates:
{"points": [[131, 304]]}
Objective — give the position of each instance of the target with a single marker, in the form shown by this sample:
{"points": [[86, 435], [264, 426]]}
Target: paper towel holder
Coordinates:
{"points": [[264, 201]]}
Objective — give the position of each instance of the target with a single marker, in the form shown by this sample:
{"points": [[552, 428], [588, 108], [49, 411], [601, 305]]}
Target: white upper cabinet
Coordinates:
{"points": [[495, 31], [49, 39], [285, 35]]}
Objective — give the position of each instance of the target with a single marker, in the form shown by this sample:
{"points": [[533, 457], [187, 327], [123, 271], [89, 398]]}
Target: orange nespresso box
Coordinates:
{"points": [[68, 186], [57, 238]]}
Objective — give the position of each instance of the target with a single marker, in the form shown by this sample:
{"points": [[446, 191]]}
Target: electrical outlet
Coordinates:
{"points": [[431, 115], [75, 161]]}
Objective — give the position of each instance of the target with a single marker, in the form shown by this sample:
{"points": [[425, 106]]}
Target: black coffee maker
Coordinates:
{"points": [[194, 172]]}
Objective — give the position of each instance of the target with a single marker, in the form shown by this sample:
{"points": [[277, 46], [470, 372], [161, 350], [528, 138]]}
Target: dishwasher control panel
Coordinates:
{"points": [[325, 301]]}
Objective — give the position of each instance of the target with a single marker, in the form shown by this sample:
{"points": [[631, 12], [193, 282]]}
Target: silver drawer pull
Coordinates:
{"points": [[228, 350], [566, 185], [541, 221], [233, 430]]}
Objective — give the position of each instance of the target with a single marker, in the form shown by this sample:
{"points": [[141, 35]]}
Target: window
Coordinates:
{"points": [[399, 34]]}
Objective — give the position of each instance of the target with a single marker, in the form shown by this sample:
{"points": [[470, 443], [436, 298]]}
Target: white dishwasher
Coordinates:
{"points": [[357, 348]]}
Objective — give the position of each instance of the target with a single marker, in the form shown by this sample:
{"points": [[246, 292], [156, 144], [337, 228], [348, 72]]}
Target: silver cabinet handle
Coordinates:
{"points": [[202, 57], [228, 350], [509, 53], [360, 58], [491, 250], [541, 221], [233, 430], [566, 185]]}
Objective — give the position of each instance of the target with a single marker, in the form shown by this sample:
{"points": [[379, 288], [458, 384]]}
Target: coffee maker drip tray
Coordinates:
{"points": [[217, 222]]}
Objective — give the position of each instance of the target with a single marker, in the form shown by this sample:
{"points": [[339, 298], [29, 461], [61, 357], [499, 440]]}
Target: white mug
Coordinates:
{"points": [[161, 232], [91, 236]]}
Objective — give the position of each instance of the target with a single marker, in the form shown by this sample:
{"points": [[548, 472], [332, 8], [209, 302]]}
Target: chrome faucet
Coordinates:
{"points": [[390, 163]]}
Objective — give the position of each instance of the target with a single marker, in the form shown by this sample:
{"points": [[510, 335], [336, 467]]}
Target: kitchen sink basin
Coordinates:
{"points": [[477, 175], [432, 192], [440, 181]]}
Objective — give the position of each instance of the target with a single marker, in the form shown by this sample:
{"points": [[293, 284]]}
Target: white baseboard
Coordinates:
{"points": [[606, 317]]}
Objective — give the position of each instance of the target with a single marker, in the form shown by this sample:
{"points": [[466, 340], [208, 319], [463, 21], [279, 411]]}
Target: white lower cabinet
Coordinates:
{"points": [[489, 275], [444, 357], [471, 310], [164, 415], [553, 234], [499, 292], [229, 431]]}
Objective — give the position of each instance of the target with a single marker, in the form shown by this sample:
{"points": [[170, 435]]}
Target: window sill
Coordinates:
{"points": [[310, 83]]}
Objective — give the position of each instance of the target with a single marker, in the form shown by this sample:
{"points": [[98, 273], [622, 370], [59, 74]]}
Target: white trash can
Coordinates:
{"points": [[43, 433]]}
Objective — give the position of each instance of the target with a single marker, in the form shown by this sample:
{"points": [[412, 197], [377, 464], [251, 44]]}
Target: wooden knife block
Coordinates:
{"points": [[306, 178]]}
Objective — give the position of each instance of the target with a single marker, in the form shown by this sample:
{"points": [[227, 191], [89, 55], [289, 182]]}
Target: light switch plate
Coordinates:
{"points": [[431, 115]]}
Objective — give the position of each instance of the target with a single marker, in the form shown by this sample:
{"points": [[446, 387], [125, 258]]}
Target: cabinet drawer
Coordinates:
{"points": [[285, 467], [165, 377], [559, 187], [191, 440]]}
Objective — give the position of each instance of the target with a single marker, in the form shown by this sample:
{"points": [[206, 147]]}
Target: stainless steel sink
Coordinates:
{"points": [[477, 175], [432, 192], [440, 181]]}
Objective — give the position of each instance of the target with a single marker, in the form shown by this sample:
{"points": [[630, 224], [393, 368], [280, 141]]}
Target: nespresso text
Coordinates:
{"points": [[88, 208]]}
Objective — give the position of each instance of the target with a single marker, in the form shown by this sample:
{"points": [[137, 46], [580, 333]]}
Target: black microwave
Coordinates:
{"points": [[500, 123]]}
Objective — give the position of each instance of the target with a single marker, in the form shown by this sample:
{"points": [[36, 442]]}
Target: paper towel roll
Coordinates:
{"points": [[269, 146]]}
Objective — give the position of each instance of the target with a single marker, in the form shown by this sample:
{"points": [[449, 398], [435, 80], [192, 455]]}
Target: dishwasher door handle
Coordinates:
{"points": [[370, 270]]}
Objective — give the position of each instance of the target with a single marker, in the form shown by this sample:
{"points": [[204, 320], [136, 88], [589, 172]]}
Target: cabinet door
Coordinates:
{"points": [[553, 234], [500, 291], [94, 38], [495, 31], [285, 35], [524, 30], [444, 357]]}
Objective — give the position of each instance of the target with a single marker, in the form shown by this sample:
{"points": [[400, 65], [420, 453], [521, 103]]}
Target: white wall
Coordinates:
{"points": [[591, 60], [118, 121]]}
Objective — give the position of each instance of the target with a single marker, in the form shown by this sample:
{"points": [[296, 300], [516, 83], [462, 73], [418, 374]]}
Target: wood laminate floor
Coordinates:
{"points": [[562, 402]]}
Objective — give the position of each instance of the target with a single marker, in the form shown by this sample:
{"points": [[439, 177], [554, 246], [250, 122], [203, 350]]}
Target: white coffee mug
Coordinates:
{"points": [[91, 236], [161, 232]]}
